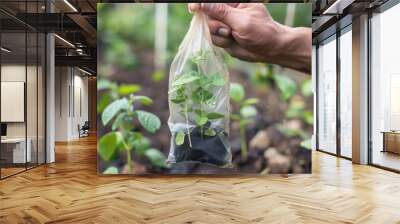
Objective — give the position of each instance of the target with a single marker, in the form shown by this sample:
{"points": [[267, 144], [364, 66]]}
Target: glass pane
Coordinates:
{"points": [[31, 87], [13, 86], [385, 85], [327, 96], [31, 97], [41, 99], [346, 94]]}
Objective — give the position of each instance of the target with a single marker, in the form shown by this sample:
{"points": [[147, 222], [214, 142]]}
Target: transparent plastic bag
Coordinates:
{"points": [[199, 100]]}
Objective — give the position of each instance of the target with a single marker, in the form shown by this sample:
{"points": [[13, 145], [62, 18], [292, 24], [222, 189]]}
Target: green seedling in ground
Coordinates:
{"points": [[193, 93], [120, 115], [247, 111]]}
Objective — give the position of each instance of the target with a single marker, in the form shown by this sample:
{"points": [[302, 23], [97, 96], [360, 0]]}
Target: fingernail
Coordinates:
{"points": [[223, 32], [205, 6], [193, 7]]}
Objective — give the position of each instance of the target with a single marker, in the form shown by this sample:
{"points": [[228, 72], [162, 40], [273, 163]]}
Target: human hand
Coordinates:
{"points": [[248, 32]]}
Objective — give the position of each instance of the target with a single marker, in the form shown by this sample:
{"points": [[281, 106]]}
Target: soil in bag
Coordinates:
{"points": [[204, 149]]}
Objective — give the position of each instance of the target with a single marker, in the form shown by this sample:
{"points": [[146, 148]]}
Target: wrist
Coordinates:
{"points": [[292, 48]]}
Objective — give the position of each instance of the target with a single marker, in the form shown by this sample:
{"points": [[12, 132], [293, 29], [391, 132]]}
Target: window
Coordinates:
{"points": [[327, 96], [346, 92], [385, 89], [22, 77]]}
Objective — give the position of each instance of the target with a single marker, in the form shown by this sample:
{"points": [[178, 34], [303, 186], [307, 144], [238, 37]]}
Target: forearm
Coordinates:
{"points": [[294, 49]]}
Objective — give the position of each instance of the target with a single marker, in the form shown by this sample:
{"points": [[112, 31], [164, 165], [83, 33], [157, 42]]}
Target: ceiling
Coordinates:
{"points": [[332, 15], [74, 22]]}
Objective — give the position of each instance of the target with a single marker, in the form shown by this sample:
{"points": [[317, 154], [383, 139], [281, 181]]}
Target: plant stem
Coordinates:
{"points": [[201, 102], [187, 125], [129, 160], [243, 142], [128, 150]]}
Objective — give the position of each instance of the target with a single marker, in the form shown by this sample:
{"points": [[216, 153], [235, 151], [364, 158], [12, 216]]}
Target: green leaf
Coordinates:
{"points": [[149, 121], [201, 95], [296, 109], [184, 79], [111, 170], [143, 100], [306, 144], [158, 75], [178, 100], [118, 120], [138, 142], [201, 120], [250, 101], [286, 86], [173, 89], [214, 116], [218, 80], [210, 132], [199, 112], [103, 84], [235, 117], [112, 109], [124, 90], [308, 117], [108, 145], [205, 81], [306, 88], [236, 92], [156, 157], [105, 99], [248, 111], [180, 138]]}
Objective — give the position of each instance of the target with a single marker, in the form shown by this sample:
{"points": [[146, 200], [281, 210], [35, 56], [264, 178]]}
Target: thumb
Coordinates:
{"points": [[220, 11]]}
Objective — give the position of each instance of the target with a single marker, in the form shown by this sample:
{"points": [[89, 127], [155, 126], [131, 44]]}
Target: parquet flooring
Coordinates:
{"points": [[70, 191]]}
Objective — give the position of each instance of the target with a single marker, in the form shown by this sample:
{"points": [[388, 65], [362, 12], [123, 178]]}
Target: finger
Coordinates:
{"points": [[221, 11], [219, 28], [240, 53], [222, 42], [234, 5], [193, 7]]}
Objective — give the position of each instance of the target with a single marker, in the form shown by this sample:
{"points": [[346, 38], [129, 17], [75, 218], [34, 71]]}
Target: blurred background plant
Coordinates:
{"points": [[136, 44], [246, 111], [119, 114]]}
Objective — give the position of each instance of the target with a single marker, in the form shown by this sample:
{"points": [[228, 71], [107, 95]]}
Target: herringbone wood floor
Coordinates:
{"points": [[70, 191]]}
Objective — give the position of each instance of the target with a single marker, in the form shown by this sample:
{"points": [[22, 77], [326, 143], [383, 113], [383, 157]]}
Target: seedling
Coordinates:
{"points": [[124, 137], [247, 111], [194, 94]]}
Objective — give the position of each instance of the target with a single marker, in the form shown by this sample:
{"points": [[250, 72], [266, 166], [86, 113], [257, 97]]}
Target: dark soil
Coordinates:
{"points": [[213, 150]]}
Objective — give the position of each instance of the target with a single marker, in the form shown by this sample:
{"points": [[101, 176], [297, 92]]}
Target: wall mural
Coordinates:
{"points": [[172, 102]]}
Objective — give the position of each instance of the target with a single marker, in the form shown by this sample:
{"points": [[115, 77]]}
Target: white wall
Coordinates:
{"points": [[62, 81], [71, 93], [16, 73], [33, 126]]}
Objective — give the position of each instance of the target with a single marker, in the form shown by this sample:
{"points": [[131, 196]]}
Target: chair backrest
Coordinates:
{"points": [[86, 124]]}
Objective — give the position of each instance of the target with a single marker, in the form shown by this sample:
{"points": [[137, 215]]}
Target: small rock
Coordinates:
{"points": [[294, 124], [277, 163], [137, 169], [276, 137], [260, 141]]}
